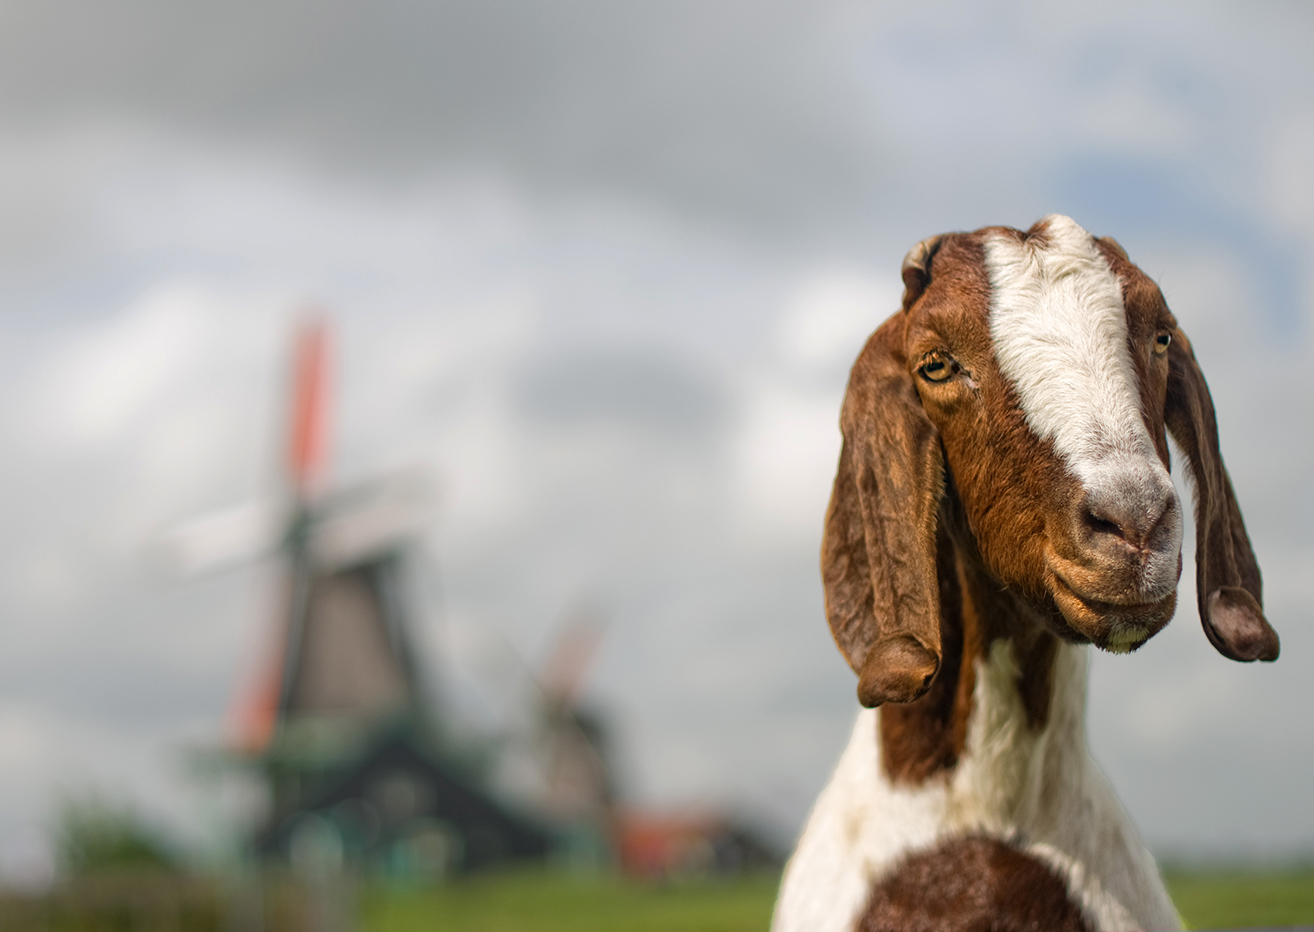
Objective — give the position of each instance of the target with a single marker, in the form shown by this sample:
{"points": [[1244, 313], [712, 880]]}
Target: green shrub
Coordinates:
{"points": [[93, 835]]}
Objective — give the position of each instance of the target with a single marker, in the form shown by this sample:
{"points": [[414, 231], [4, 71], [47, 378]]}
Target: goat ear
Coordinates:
{"points": [[916, 269], [878, 551], [1114, 245], [1227, 576]]}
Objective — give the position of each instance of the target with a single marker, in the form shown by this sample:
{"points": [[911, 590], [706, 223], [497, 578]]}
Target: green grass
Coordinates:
{"points": [[534, 901], [543, 901], [1230, 899], [546, 902]]}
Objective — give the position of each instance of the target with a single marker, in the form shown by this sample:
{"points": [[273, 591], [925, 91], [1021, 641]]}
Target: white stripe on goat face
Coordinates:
{"points": [[1060, 337]]}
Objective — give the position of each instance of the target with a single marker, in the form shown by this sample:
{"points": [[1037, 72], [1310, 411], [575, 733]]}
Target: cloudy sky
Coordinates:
{"points": [[601, 268]]}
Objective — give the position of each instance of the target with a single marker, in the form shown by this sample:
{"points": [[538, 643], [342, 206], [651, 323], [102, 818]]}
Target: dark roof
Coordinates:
{"points": [[395, 785]]}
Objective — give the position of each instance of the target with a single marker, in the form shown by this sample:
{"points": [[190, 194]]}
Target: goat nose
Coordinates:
{"points": [[1132, 518]]}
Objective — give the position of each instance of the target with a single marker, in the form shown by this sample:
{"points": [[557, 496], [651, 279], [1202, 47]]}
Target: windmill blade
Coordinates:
{"points": [[253, 714], [572, 656], [370, 517], [308, 426], [249, 532], [223, 539]]}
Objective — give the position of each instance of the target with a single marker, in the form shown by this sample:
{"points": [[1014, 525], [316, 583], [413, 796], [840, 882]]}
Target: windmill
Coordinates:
{"points": [[338, 722], [579, 783], [577, 790]]}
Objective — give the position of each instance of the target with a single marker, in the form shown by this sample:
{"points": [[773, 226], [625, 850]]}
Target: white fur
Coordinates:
{"points": [[1059, 331], [1039, 790]]}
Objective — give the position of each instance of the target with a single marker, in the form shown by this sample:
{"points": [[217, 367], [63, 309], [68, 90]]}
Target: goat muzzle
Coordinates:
{"points": [[1118, 627], [1115, 555]]}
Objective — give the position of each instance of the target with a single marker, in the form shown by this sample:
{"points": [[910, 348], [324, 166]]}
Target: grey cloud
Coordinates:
{"points": [[636, 388], [720, 108]]}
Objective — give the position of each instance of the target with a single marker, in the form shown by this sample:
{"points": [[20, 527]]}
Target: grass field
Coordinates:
{"points": [[1231, 899], [537, 902], [540, 901]]}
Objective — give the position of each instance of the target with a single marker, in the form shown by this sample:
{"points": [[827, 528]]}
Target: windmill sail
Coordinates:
{"points": [[308, 434]]}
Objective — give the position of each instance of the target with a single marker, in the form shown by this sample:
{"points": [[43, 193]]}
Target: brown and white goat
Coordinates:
{"points": [[1002, 500]]}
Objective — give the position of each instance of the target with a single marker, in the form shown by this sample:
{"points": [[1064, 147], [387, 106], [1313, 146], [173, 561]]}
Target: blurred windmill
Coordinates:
{"points": [[343, 661], [556, 756], [578, 781], [337, 721]]}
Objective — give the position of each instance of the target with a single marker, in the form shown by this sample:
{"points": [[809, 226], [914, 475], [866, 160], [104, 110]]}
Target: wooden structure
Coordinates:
{"points": [[340, 727]]}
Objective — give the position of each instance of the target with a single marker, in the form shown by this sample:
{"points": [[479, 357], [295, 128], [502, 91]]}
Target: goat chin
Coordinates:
{"points": [[1117, 610], [1118, 628]]}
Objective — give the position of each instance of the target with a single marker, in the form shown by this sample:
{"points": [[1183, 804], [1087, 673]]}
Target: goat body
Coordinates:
{"points": [[1002, 501]]}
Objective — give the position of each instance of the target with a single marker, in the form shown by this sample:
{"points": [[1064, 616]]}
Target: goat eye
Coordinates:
{"points": [[1161, 343], [937, 368]]}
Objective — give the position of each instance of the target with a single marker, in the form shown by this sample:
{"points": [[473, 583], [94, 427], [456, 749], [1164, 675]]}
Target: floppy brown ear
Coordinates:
{"points": [[878, 551], [1227, 576]]}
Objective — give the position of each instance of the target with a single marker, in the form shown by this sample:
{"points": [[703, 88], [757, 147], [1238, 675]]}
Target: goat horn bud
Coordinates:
{"points": [[897, 669], [916, 269]]}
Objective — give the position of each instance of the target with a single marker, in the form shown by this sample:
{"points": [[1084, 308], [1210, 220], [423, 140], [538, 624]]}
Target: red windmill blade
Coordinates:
{"points": [[254, 713], [307, 450]]}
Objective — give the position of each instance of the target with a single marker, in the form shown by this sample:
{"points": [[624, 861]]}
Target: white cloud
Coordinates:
{"points": [[1290, 172], [785, 456], [1127, 117], [831, 315], [108, 376]]}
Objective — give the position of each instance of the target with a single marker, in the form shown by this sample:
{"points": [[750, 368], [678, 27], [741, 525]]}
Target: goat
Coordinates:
{"points": [[1003, 499]]}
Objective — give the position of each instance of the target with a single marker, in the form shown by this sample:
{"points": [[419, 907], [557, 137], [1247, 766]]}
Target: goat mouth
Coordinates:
{"points": [[1118, 627], [1144, 579]]}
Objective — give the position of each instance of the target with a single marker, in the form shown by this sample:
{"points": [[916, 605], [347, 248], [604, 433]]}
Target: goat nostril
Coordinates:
{"points": [[1097, 525], [1126, 515]]}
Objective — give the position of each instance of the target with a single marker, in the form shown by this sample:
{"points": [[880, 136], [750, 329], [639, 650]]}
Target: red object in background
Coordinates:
{"points": [[255, 712], [658, 846], [309, 425]]}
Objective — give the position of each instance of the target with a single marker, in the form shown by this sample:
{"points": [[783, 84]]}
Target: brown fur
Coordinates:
{"points": [[926, 736], [979, 885], [1228, 582], [889, 513], [949, 516]]}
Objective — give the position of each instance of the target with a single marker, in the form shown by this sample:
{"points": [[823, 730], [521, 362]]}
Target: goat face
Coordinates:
{"points": [[1072, 498], [1033, 377]]}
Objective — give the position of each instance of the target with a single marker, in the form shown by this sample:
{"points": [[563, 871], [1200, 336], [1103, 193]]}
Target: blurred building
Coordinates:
{"points": [[691, 845], [358, 766]]}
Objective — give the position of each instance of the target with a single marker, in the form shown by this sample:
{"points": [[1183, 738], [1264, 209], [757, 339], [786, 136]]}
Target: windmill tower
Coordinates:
{"points": [[338, 723], [578, 783], [578, 790]]}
